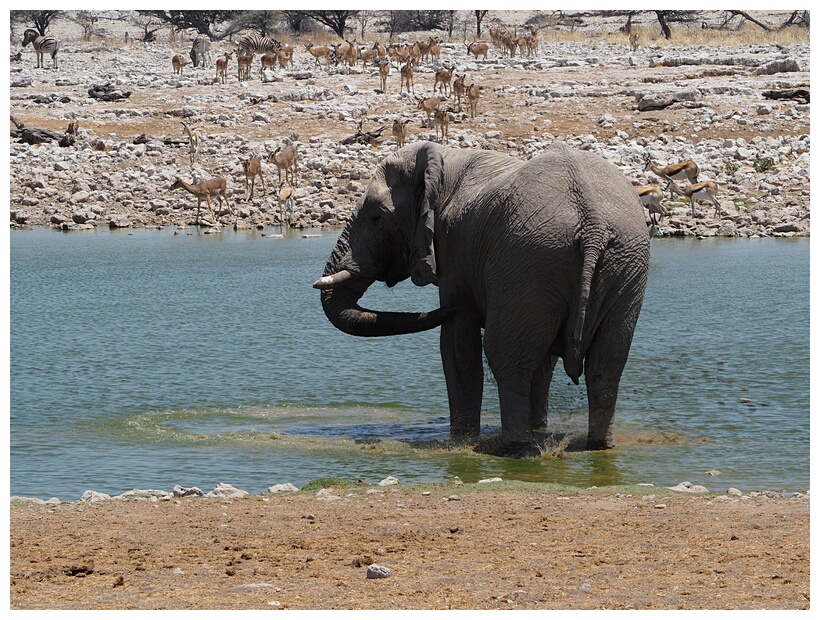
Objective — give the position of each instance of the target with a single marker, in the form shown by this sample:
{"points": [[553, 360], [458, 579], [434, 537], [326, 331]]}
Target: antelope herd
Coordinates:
{"points": [[408, 59]]}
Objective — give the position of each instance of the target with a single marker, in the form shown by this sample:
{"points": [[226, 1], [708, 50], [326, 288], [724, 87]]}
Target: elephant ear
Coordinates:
{"points": [[430, 175]]}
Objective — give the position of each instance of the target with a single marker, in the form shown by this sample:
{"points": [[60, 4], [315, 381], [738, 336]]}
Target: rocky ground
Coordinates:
{"points": [[493, 545], [589, 93]]}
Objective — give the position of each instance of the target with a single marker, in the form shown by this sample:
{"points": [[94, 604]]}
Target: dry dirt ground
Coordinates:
{"points": [[480, 546]]}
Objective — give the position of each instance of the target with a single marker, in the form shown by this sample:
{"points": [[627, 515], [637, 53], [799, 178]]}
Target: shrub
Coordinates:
{"points": [[763, 164]]}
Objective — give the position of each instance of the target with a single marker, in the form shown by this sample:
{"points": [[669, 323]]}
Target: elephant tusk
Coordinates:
{"points": [[334, 280]]}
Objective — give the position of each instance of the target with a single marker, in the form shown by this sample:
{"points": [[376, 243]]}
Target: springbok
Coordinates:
{"points": [[707, 190], [651, 197], [285, 198], [683, 170]]}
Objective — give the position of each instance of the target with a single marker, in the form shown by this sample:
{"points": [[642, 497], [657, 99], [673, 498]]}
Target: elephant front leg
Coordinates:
{"points": [[461, 356]]}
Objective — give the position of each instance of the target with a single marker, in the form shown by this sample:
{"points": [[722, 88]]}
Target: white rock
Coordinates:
{"points": [[389, 481], [94, 496], [282, 488], [226, 491]]}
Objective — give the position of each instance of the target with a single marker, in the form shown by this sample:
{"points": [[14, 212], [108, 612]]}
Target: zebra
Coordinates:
{"points": [[42, 45], [200, 50], [257, 44]]}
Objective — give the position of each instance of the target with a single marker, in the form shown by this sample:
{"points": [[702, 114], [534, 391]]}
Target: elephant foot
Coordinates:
{"points": [[526, 451], [459, 436], [599, 444], [513, 449]]}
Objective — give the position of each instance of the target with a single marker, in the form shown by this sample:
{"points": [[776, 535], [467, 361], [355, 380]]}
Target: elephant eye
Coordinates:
{"points": [[377, 220]]}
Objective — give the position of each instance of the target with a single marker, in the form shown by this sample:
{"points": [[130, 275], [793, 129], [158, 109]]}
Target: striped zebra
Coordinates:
{"points": [[42, 45], [257, 44], [200, 50]]}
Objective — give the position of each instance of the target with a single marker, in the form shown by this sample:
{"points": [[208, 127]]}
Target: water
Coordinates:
{"points": [[146, 359]]}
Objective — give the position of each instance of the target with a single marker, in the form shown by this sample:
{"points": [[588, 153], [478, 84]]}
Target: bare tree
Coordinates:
{"points": [[263, 22], [364, 18], [86, 20], [41, 20], [797, 18], [335, 20], [204, 22], [479, 17]]}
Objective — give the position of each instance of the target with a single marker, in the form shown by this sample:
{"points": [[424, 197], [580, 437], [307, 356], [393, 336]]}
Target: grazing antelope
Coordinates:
{"points": [[178, 63], [253, 168], [206, 189], [478, 49], [459, 89], [407, 77], [384, 71], [319, 52], [683, 170], [285, 198], [473, 93], [400, 131], [194, 140], [443, 79], [429, 105], [42, 45], [285, 159], [222, 66], [634, 41], [707, 190], [243, 68], [442, 121], [651, 197]]}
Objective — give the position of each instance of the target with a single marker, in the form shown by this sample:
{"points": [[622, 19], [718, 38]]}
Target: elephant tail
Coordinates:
{"points": [[592, 246]]}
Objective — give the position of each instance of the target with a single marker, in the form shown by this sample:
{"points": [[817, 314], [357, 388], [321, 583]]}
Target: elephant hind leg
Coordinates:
{"points": [[539, 393], [605, 362]]}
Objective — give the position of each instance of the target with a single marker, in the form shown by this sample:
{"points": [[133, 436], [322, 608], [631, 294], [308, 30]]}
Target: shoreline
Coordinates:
{"points": [[497, 545]]}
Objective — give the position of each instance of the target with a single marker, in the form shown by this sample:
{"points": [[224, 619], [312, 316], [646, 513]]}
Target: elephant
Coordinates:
{"points": [[534, 260]]}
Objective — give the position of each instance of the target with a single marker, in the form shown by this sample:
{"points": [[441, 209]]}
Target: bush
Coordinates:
{"points": [[763, 164]]}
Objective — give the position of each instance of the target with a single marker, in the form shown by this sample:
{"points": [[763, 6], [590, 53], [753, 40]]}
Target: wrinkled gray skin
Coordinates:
{"points": [[549, 256]]}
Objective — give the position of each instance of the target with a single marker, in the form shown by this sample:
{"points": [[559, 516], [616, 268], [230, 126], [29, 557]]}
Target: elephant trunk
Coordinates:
{"points": [[341, 290], [342, 308]]}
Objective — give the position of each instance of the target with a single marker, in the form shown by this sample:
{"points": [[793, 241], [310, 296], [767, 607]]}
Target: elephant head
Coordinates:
{"points": [[389, 238]]}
